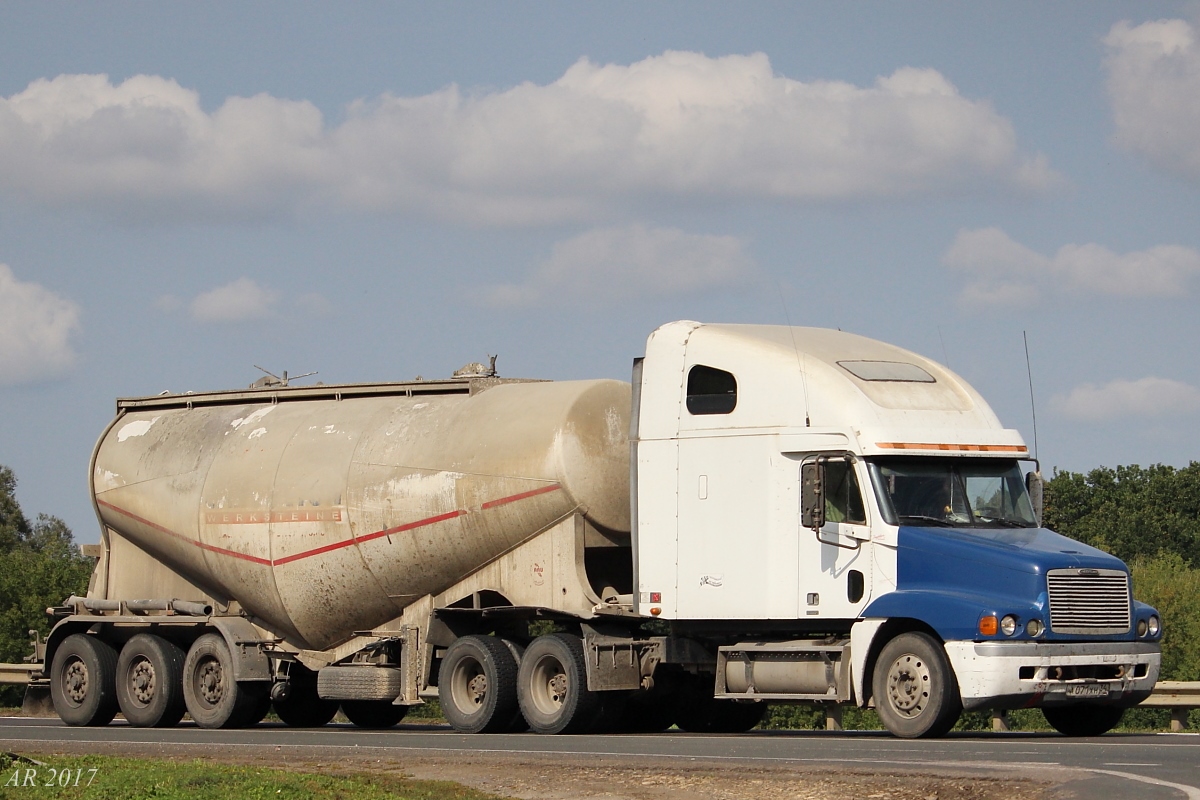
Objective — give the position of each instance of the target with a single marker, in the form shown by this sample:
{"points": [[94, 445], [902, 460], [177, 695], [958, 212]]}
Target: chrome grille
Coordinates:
{"points": [[1088, 600]]}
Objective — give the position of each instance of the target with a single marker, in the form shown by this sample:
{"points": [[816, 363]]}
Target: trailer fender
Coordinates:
{"points": [[247, 646]]}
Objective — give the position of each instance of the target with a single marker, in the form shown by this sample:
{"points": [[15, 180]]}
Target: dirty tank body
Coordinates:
{"points": [[333, 514]]}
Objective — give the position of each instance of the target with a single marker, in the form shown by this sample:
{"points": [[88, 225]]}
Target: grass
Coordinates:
{"points": [[115, 778]]}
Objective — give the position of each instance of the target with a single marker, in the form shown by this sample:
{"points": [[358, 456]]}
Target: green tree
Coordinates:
{"points": [[1132, 512], [40, 566], [1171, 586]]}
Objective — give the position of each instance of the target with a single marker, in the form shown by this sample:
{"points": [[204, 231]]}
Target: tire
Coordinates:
{"points": [[1083, 719], [477, 685], [552, 686], [517, 649], [916, 694], [303, 708], [149, 682], [212, 696], [83, 682], [703, 713], [373, 714], [257, 705]]}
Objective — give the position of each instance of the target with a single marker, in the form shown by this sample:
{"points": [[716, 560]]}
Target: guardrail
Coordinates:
{"points": [[1179, 696], [17, 673]]}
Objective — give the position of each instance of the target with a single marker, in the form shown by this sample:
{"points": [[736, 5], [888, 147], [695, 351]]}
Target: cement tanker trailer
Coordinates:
{"points": [[770, 514]]}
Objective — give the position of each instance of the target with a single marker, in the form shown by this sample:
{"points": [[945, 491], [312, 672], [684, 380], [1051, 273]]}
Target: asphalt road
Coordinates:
{"points": [[1137, 767]]}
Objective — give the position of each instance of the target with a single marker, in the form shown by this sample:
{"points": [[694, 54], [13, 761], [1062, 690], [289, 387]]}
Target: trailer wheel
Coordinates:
{"points": [[519, 725], [1083, 719], [374, 714], [212, 696], [150, 682], [552, 686], [477, 685], [916, 694], [302, 708], [719, 716], [83, 682]]}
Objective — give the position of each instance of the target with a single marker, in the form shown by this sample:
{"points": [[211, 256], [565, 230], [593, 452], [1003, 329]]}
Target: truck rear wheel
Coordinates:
{"points": [[1083, 719], [552, 686], [374, 714], [83, 682], [477, 685], [914, 688], [302, 708], [150, 681], [212, 696]]}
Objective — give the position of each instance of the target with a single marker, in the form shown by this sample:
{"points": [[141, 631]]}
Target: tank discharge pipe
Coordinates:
{"points": [[189, 608]]}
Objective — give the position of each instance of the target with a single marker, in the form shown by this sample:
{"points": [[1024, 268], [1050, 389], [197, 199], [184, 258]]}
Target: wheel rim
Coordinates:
{"points": [[142, 681], [549, 685], [908, 682], [469, 686], [75, 681], [210, 682]]}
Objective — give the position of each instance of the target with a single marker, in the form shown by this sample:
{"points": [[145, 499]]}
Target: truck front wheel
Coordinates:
{"points": [[83, 682], [213, 697], [552, 686], [1083, 719], [914, 688], [477, 685], [150, 682]]}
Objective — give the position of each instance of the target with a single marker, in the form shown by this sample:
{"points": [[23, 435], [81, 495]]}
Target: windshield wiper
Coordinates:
{"points": [[1006, 523], [935, 520]]}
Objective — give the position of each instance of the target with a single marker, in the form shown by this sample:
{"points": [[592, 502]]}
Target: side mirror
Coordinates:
{"points": [[1035, 485], [812, 495]]}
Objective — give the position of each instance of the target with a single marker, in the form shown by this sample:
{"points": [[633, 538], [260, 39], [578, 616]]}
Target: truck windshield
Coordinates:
{"points": [[960, 493]]}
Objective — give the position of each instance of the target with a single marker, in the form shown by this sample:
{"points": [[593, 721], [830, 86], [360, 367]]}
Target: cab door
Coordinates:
{"points": [[835, 561]]}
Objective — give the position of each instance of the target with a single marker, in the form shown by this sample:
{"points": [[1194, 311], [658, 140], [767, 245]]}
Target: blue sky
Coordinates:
{"points": [[383, 190]]}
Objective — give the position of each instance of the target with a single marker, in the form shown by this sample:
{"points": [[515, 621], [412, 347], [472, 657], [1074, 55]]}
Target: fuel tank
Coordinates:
{"points": [[326, 510]]}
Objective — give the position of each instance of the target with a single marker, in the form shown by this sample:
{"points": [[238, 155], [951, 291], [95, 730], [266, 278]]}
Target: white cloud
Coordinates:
{"points": [[1146, 397], [36, 326], [240, 300], [609, 264], [679, 125], [1001, 271], [1154, 87]]}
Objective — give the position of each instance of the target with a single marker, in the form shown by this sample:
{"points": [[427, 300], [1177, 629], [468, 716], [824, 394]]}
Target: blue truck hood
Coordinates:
{"points": [[934, 554], [949, 577]]}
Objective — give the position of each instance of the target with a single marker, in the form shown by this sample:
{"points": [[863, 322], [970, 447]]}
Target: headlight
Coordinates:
{"points": [[1008, 625], [1155, 626], [1142, 627], [1034, 628]]}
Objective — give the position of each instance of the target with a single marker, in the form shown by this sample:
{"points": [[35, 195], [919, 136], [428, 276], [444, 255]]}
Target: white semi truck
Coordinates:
{"points": [[768, 514]]}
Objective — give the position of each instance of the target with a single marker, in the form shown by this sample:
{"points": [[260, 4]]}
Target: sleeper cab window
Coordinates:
{"points": [[710, 391]]}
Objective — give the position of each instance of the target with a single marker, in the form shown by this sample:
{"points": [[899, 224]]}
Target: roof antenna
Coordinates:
{"points": [[799, 355], [1032, 405]]}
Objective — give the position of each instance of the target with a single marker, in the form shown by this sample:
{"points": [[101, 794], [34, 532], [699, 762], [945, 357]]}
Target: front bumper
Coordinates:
{"points": [[1035, 674]]}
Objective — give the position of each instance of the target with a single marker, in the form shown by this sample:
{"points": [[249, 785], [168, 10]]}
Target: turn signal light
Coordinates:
{"points": [[988, 626]]}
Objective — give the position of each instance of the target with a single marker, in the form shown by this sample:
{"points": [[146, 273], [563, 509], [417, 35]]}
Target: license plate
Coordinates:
{"points": [[1087, 690]]}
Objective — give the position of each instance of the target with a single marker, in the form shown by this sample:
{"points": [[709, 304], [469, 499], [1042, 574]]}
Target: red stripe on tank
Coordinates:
{"points": [[408, 526], [347, 542], [211, 548], [514, 498]]}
